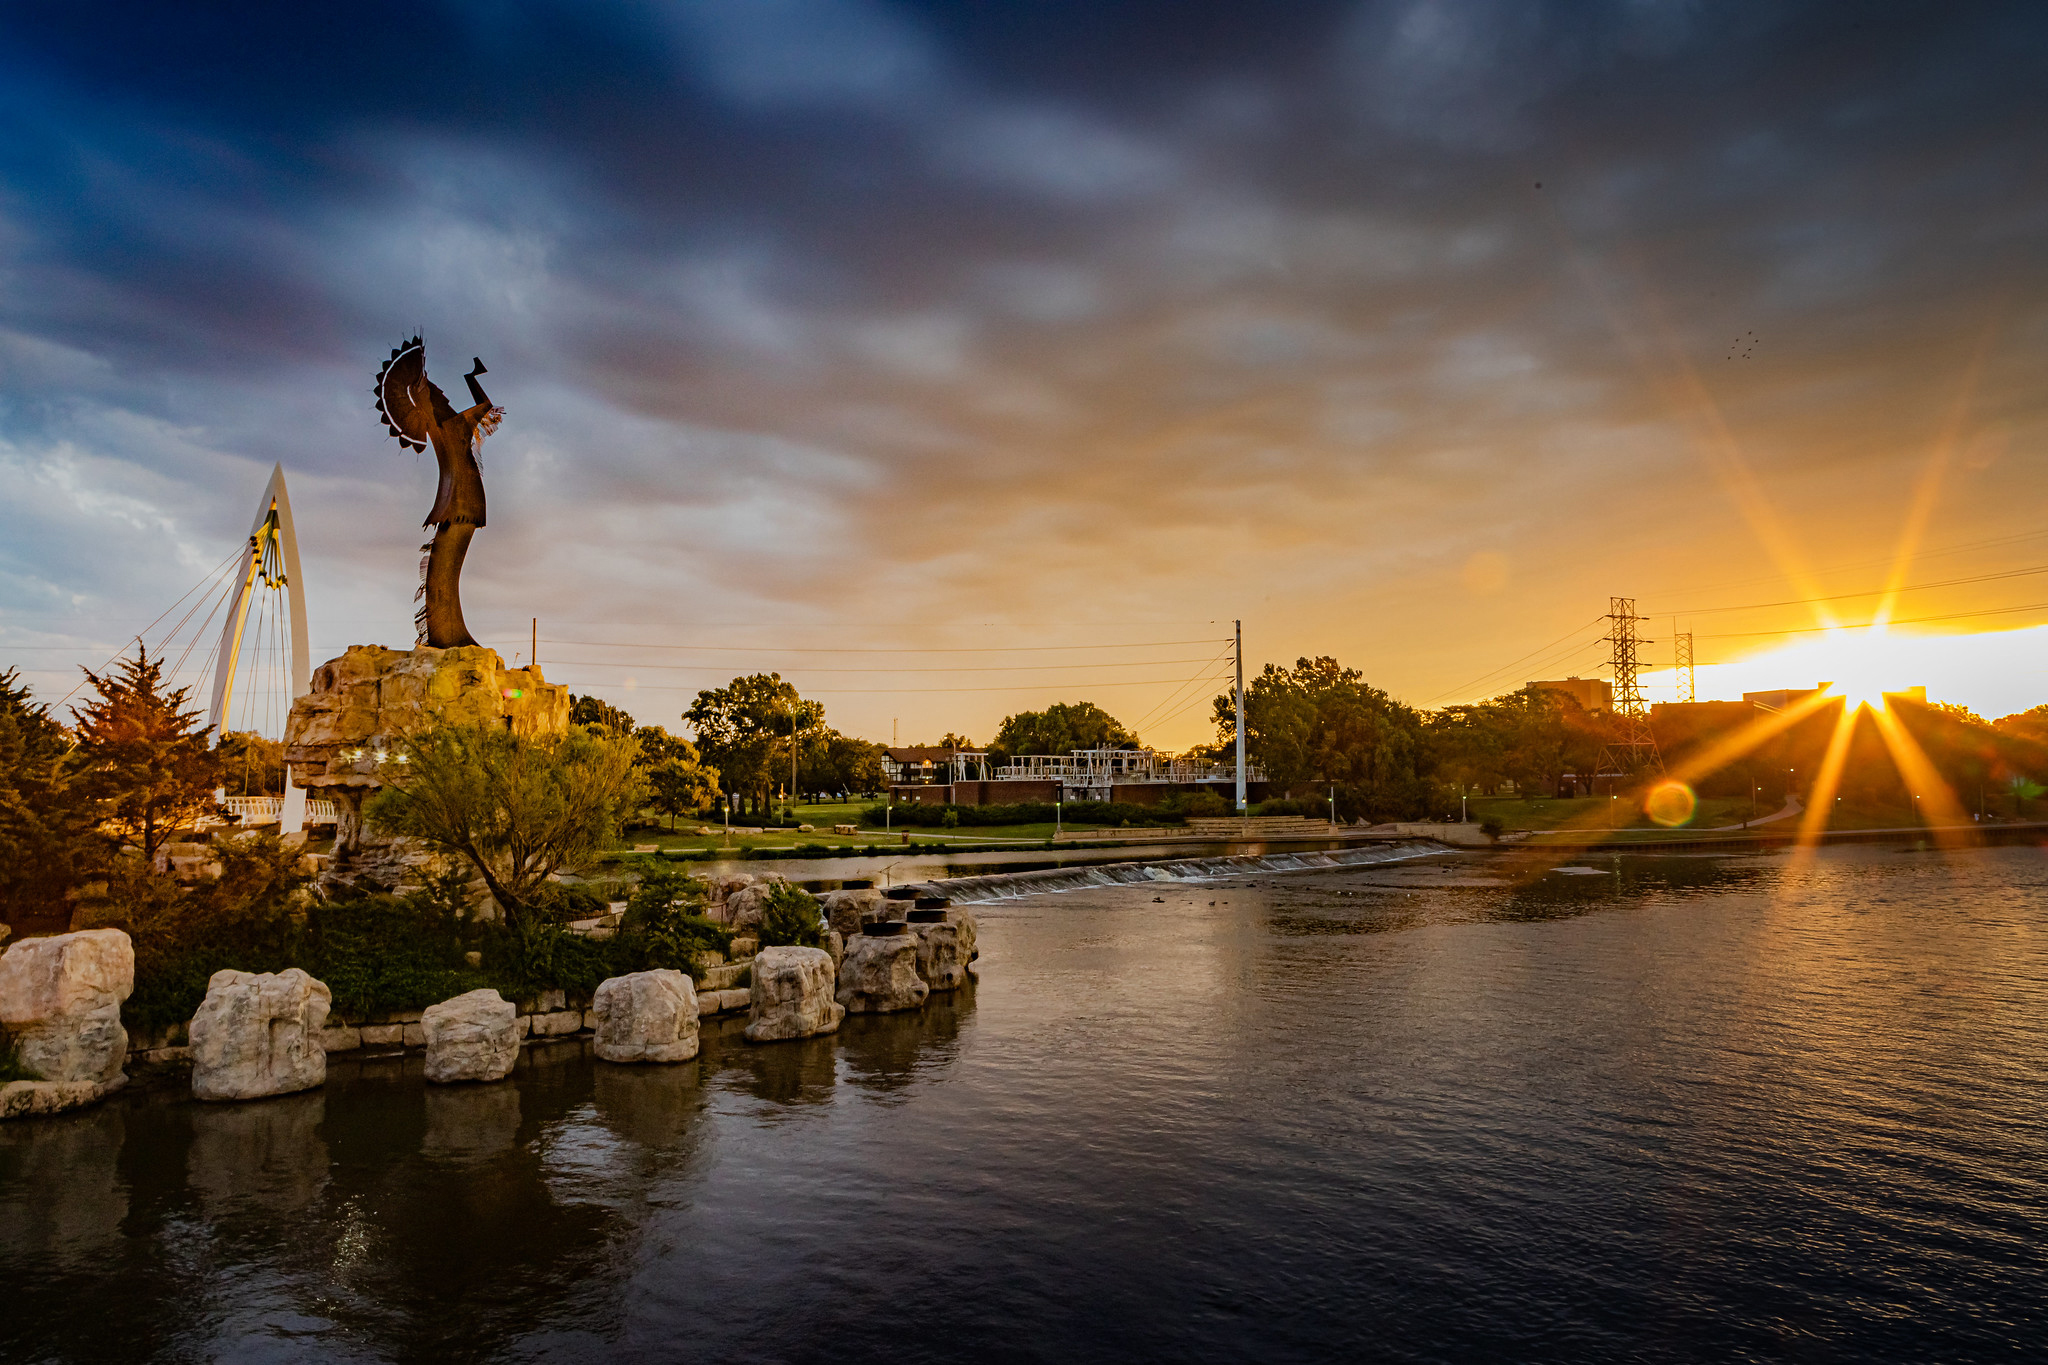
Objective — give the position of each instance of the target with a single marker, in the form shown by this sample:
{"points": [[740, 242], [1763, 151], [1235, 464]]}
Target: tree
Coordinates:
{"points": [[746, 730], [1321, 723], [679, 784], [250, 764], [518, 808], [49, 823], [949, 740], [600, 714], [148, 760], [1058, 729]]}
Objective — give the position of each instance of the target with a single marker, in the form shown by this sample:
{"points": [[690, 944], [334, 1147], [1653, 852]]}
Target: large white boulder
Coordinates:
{"points": [[474, 1037], [943, 950], [792, 995], [60, 1001], [646, 1017], [258, 1033], [878, 975]]}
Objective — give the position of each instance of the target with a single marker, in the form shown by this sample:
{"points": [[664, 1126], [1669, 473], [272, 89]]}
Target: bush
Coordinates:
{"points": [[792, 918], [1493, 827], [183, 935], [382, 953], [951, 819]]}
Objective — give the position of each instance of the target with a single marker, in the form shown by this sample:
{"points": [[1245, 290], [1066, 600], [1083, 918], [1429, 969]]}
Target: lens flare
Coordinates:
{"points": [[1671, 803]]}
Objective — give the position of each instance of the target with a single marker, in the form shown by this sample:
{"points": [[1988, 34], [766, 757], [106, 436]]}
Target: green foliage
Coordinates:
{"points": [[598, 714], [147, 757], [251, 765], [1195, 804], [562, 902], [244, 919], [50, 841], [382, 953], [1493, 827], [912, 814], [791, 918], [1320, 724], [1059, 729], [518, 808], [11, 1068], [951, 819]]}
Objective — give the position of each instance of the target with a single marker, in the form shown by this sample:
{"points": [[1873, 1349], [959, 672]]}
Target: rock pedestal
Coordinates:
{"points": [[944, 950], [740, 900], [646, 1017], [258, 1034], [879, 975], [792, 995], [846, 911], [60, 1003], [362, 703], [474, 1037]]}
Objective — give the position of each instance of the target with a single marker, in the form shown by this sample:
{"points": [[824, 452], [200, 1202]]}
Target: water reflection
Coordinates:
{"points": [[261, 1154], [62, 1199], [886, 1053], [1685, 1108]]}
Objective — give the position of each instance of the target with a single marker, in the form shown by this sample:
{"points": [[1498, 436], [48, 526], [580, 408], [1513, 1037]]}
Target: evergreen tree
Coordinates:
{"points": [[146, 754], [49, 839]]}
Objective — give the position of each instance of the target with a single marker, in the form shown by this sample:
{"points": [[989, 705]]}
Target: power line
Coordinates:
{"points": [[885, 649], [963, 668], [1509, 668], [1873, 592]]}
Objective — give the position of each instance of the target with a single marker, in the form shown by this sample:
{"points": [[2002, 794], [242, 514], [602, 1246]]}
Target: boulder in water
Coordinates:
{"points": [[474, 1037], [943, 950], [259, 1033], [646, 1017], [60, 1000], [879, 974], [792, 995]]}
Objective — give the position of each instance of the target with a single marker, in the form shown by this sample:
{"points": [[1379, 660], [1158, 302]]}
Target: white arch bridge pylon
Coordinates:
{"points": [[276, 663]]}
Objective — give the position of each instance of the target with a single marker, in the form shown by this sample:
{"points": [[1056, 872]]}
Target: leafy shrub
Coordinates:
{"points": [[1493, 827], [381, 953], [184, 934], [951, 819], [791, 918], [1195, 804]]}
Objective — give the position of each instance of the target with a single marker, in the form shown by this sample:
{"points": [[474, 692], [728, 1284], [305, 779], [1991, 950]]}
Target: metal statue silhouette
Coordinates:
{"points": [[417, 413]]}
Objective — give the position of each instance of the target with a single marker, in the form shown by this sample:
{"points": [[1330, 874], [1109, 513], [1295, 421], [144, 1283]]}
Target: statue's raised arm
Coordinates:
{"points": [[416, 412]]}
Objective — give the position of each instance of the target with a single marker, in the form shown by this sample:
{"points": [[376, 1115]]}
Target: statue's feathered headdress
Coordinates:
{"points": [[403, 394]]}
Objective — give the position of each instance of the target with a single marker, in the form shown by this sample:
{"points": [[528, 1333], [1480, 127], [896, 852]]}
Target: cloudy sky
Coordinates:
{"points": [[953, 359]]}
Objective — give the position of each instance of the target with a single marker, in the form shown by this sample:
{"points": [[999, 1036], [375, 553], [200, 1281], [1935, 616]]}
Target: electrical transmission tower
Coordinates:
{"points": [[1633, 749], [1683, 640]]}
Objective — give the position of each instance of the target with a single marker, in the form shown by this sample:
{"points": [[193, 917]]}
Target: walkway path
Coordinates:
{"points": [[1792, 808]]}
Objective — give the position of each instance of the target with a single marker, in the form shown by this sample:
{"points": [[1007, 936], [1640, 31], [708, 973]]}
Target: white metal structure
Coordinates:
{"points": [[273, 562]]}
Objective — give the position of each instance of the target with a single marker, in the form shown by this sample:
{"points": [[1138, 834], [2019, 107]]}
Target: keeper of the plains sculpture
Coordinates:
{"points": [[416, 412]]}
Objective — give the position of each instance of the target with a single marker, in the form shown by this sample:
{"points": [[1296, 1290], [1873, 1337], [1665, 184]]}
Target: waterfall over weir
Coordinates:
{"points": [[1010, 885]]}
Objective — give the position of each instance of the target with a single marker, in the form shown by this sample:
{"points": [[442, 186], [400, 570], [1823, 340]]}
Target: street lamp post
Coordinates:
{"points": [[1056, 807]]}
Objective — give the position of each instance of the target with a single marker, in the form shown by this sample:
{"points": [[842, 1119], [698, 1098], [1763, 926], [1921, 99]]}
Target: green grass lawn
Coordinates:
{"points": [[1594, 813], [823, 816]]}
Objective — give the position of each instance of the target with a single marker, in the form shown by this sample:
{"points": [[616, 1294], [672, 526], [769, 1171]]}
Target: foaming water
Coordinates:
{"points": [[1689, 1108], [975, 890]]}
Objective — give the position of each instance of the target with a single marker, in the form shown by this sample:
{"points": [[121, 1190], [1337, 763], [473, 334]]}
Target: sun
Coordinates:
{"points": [[1866, 663]]}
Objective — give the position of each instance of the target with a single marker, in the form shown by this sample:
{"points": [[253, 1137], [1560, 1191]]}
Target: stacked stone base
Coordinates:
{"points": [[33, 1099]]}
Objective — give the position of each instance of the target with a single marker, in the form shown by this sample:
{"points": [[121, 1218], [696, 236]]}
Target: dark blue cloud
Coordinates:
{"points": [[1199, 301]]}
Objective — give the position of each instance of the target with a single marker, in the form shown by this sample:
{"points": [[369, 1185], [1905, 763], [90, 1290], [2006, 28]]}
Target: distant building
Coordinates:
{"points": [[1593, 694], [926, 764]]}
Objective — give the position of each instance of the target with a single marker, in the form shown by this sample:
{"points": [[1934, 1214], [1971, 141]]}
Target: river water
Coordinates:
{"points": [[1454, 1109]]}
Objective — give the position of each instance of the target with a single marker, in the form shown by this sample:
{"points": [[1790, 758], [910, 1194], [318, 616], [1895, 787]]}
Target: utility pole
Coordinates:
{"points": [[533, 654], [1239, 636], [1682, 641]]}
